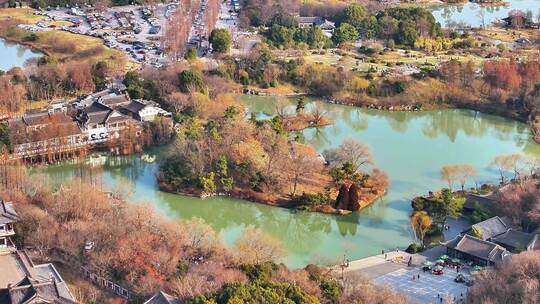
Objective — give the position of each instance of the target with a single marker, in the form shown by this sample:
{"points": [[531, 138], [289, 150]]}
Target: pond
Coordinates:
{"points": [[410, 147], [469, 13], [15, 55]]}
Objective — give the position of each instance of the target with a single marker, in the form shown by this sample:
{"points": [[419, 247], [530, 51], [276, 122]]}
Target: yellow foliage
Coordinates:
{"points": [[358, 84], [433, 45]]}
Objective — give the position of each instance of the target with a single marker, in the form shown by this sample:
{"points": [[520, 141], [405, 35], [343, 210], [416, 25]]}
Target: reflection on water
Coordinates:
{"points": [[14, 55], [469, 13], [410, 147]]}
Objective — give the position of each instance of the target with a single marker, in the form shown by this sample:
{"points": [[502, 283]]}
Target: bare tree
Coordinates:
{"points": [[300, 165], [318, 114], [350, 151], [256, 247]]}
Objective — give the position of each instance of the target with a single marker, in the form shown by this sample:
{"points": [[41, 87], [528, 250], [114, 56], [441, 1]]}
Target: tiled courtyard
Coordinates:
{"points": [[425, 289]]}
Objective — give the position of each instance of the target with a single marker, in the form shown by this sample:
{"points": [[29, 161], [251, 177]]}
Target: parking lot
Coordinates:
{"points": [[427, 288], [135, 30]]}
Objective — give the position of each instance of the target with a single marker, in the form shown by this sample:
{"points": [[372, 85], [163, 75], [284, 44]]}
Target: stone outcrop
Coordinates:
{"points": [[342, 200], [354, 198]]}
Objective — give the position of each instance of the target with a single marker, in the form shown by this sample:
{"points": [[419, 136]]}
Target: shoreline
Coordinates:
{"points": [[482, 108], [281, 202]]}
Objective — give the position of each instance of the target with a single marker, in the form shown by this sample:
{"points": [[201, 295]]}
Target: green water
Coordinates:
{"points": [[410, 147]]}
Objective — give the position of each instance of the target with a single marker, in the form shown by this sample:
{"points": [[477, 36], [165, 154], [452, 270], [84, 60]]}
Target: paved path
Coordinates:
{"points": [[457, 225], [426, 289], [394, 257]]}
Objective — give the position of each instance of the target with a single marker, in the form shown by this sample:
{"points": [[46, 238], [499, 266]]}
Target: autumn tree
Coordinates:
{"points": [[176, 33], [460, 173], [421, 223], [298, 166], [13, 94], [513, 281], [256, 247]]}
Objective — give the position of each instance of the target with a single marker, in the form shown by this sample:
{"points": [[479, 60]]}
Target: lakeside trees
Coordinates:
{"points": [[145, 252], [460, 173], [421, 223]]}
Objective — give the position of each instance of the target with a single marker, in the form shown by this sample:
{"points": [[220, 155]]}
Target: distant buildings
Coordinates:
{"points": [[326, 26], [90, 121], [491, 241], [22, 281]]}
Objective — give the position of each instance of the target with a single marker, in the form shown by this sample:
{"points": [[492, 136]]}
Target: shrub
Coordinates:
{"points": [[413, 248], [331, 290]]}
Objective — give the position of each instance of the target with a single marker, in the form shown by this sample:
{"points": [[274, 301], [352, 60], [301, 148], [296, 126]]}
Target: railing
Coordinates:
{"points": [[6, 232], [93, 274]]}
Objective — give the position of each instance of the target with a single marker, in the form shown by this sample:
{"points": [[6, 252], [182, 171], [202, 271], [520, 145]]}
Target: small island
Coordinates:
{"points": [[261, 160]]}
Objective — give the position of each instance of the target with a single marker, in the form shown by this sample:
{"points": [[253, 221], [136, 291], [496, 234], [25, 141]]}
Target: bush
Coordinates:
{"points": [[191, 81], [221, 40], [331, 290], [191, 54], [413, 248], [313, 199], [31, 37]]}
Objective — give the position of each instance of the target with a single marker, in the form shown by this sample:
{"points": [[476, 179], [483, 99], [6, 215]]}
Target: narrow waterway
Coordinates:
{"points": [[410, 147]]}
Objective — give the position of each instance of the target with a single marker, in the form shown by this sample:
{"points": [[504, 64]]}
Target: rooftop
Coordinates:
{"points": [[163, 298], [492, 227], [29, 280], [478, 248], [518, 239], [7, 213]]}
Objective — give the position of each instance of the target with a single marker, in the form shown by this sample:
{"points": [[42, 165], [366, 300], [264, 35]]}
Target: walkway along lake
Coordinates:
{"points": [[410, 147]]}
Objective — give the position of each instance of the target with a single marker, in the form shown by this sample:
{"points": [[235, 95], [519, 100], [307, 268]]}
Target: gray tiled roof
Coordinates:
{"points": [[114, 100], [478, 248], [32, 291], [492, 227], [163, 298], [30, 280], [7, 213], [482, 200], [517, 239], [135, 106], [312, 20]]}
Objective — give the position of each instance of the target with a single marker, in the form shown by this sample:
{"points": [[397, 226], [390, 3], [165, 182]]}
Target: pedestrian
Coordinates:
{"points": [[440, 299], [382, 251], [438, 295], [413, 277], [419, 276], [385, 255]]}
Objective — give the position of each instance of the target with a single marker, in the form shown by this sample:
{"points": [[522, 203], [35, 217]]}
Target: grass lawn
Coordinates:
{"points": [[387, 58]]}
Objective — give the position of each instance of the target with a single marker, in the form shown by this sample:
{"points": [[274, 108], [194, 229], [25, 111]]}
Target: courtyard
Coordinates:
{"points": [[427, 288]]}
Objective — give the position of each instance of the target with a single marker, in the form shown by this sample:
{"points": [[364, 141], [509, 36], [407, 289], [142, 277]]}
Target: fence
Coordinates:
{"points": [[93, 274]]}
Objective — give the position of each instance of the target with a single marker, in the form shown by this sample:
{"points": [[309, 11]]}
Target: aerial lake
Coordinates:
{"points": [[411, 147], [15, 55], [468, 13]]}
